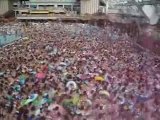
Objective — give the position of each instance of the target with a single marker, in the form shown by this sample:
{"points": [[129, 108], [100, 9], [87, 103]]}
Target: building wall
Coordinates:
{"points": [[4, 6], [38, 4], [48, 2], [89, 6], [10, 4], [59, 1]]}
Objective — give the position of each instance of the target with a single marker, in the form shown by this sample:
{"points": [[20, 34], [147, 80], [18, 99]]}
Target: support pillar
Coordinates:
{"points": [[71, 7]]}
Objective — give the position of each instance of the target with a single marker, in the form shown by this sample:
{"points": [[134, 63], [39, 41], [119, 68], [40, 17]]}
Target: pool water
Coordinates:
{"points": [[7, 39]]}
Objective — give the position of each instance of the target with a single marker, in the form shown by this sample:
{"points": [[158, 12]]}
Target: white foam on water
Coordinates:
{"points": [[150, 12]]}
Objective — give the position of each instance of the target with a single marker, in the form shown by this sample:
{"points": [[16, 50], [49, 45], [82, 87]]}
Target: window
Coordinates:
{"points": [[76, 8], [67, 7], [33, 6], [60, 6], [15, 6]]}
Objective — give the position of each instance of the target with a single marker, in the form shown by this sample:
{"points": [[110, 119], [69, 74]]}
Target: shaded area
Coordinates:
{"points": [[150, 43], [150, 38]]}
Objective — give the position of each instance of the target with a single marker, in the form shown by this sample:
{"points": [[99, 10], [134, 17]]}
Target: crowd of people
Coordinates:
{"points": [[11, 29], [74, 71]]}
